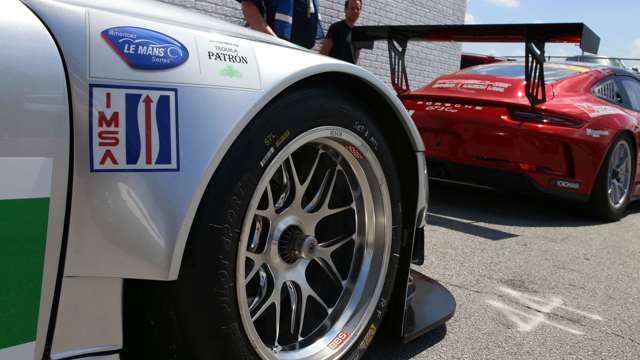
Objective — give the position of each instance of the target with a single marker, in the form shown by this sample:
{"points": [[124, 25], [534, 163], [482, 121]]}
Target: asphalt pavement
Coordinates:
{"points": [[533, 277]]}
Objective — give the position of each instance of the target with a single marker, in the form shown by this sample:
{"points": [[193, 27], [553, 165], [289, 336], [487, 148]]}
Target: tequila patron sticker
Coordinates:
{"points": [[229, 63], [145, 49], [133, 129]]}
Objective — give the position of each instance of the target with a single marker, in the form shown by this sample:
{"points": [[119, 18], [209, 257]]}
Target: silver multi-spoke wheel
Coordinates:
{"points": [[619, 174], [314, 247]]}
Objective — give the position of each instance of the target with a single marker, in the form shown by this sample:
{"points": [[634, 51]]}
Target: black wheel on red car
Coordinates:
{"points": [[289, 256], [612, 191]]}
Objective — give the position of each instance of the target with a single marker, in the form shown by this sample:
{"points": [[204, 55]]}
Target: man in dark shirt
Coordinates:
{"points": [[295, 20], [338, 43]]}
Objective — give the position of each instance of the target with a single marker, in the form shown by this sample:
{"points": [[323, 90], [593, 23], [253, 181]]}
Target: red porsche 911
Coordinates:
{"points": [[567, 129], [479, 127]]}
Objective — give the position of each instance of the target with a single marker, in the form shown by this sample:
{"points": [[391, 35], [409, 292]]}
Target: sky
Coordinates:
{"points": [[617, 22]]}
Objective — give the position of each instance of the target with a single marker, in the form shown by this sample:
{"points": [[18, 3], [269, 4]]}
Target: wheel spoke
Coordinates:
{"points": [[333, 244], [325, 206], [622, 155], [618, 194], [263, 283], [610, 193], [294, 172], [307, 293], [286, 193], [265, 305], [317, 198], [270, 211], [330, 268], [621, 190], [303, 310], [257, 233], [624, 170], [293, 298], [278, 307], [327, 198], [324, 252], [258, 261], [317, 297], [326, 212], [324, 195], [312, 171], [615, 196]]}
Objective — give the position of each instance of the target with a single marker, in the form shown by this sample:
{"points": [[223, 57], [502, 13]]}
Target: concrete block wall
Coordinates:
{"points": [[425, 61]]}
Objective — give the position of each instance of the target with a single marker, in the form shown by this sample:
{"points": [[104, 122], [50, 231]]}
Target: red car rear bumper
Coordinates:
{"points": [[558, 160]]}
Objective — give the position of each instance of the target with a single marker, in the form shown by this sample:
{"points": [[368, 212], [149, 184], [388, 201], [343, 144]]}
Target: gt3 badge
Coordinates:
{"points": [[133, 128]]}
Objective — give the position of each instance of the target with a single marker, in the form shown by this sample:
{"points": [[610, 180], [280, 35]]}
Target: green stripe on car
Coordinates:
{"points": [[25, 184]]}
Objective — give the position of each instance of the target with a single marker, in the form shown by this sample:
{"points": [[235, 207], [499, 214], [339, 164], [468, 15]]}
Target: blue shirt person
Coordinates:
{"points": [[295, 20]]}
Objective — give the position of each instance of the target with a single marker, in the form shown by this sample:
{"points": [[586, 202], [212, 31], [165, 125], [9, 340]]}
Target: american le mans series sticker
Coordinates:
{"points": [[145, 49], [25, 188], [132, 49]]}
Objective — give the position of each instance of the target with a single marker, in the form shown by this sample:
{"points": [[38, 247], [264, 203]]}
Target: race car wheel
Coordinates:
{"points": [[290, 255], [612, 191]]}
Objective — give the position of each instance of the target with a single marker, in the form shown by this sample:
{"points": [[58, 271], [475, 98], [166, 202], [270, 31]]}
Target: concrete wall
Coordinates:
{"points": [[424, 61]]}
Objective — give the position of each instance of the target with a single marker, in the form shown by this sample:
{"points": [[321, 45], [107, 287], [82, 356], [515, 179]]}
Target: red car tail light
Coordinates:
{"points": [[528, 167], [545, 119]]}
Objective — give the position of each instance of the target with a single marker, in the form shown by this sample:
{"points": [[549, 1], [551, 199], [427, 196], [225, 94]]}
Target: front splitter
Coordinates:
{"points": [[428, 305]]}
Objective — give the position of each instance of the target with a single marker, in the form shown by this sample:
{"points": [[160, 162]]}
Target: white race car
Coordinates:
{"points": [[176, 187]]}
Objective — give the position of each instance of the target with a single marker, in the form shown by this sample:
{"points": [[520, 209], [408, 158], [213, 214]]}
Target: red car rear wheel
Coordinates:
{"points": [[614, 184]]}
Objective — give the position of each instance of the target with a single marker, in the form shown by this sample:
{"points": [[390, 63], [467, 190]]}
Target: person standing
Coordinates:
{"points": [[297, 21], [337, 43]]}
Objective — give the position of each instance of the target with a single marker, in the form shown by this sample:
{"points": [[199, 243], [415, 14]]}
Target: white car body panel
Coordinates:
{"points": [[120, 227], [34, 127], [84, 301], [130, 224]]}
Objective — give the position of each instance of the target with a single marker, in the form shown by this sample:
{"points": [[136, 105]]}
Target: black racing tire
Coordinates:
{"points": [[207, 311], [601, 205]]}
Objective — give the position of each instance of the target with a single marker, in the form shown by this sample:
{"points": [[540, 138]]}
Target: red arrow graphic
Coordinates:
{"points": [[147, 127]]}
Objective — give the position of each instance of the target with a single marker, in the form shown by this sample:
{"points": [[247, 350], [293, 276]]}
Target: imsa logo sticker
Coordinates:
{"points": [[133, 128]]}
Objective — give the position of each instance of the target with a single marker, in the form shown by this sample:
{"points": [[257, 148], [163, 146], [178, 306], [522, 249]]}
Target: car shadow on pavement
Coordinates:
{"points": [[634, 208], [468, 228], [462, 208], [391, 347]]}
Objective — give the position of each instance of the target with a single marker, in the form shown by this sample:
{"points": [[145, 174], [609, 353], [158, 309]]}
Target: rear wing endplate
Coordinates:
{"points": [[534, 37]]}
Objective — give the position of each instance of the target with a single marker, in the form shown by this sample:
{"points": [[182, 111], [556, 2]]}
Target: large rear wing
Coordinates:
{"points": [[534, 37]]}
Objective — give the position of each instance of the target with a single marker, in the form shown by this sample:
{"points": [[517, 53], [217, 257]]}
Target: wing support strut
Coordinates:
{"points": [[535, 88], [397, 53]]}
